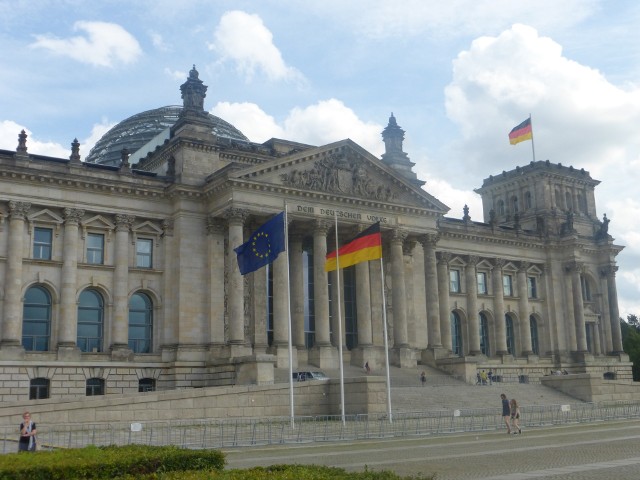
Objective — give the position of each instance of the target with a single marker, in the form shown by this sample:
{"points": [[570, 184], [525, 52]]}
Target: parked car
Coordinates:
{"points": [[309, 375]]}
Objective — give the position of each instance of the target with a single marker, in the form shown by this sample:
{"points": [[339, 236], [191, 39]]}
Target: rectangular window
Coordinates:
{"points": [[454, 279], [532, 287], [507, 285], [42, 238], [482, 283], [95, 248], [144, 250]]}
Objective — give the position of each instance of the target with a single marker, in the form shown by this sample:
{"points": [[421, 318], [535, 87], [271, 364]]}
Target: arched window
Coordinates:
{"points": [[484, 334], [140, 323], [558, 196], [510, 336], [95, 386], [38, 388], [456, 334], [36, 319], [568, 200], [514, 204], [500, 208], [533, 324], [90, 321], [528, 201]]}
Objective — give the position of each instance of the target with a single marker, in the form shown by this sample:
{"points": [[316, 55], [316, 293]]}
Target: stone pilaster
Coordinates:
{"points": [[297, 290], [431, 285], [12, 318], [216, 230], [68, 324], [120, 327], [472, 305], [523, 309], [443, 300], [398, 291], [498, 307], [614, 312]]}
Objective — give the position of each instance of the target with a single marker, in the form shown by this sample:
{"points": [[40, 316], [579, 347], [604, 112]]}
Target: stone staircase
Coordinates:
{"points": [[446, 392]]}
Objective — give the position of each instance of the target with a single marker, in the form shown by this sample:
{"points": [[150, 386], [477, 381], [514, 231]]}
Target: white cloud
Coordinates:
{"points": [[325, 122], [158, 42], [244, 40], [579, 118], [105, 44], [250, 119], [382, 19], [176, 74]]}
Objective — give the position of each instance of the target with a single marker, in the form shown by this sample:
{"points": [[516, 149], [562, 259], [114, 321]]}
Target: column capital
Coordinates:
{"points": [[321, 227], [124, 222], [19, 209], [398, 235], [429, 240], [524, 266], [167, 227], [215, 225], [574, 267], [444, 258], [72, 216], [408, 245], [609, 271], [473, 260], [236, 216], [499, 263]]}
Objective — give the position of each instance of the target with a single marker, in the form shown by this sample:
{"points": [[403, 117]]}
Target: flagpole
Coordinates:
{"points": [[286, 254], [533, 150], [339, 322], [386, 344]]}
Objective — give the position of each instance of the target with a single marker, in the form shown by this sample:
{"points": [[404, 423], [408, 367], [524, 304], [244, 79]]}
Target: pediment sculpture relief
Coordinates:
{"points": [[338, 173]]}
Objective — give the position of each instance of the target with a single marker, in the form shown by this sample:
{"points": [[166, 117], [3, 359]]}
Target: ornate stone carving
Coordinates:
{"points": [[22, 142], [167, 227], [524, 266], [398, 235], [573, 267], [473, 260], [75, 151], [444, 258], [609, 271], [215, 225], [124, 222], [235, 215], [72, 216], [19, 209], [499, 262], [429, 240], [321, 227], [339, 173]]}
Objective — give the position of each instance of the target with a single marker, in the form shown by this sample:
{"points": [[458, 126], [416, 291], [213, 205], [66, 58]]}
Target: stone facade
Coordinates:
{"points": [[119, 279]]}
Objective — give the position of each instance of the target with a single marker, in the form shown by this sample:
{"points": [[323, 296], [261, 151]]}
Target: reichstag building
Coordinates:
{"points": [[118, 272]]}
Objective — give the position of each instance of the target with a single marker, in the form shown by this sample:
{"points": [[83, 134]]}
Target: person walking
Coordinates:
{"points": [[515, 416], [506, 412], [423, 378], [27, 442]]}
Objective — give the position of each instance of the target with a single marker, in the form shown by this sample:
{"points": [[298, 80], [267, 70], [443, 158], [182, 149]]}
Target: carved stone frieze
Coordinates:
{"points": [[339, 173]]}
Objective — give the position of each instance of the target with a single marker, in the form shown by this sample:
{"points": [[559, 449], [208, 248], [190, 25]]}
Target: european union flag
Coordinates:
{"points": [[263, 247]]}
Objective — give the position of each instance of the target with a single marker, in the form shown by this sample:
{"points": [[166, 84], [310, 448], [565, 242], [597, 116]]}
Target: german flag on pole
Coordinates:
{"points": [[366, 246], [521, 133]]}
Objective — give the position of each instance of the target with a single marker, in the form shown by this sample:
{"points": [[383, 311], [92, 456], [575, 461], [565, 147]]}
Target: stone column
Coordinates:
{"points": [[443, 300], [418, 293], [498, 308], [523, 309], [607, 341], [12, 321], [473, 316], [363, 304], [574, 269], [280, 311], [216, 230], [120, 325], [321, 284], [169, 333], [235, 281], [68, 323], [398, 292], [431, 284], [297, 290], [614, 313]]}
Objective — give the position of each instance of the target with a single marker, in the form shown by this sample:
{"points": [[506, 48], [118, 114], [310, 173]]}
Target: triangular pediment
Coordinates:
{"points": [[341, 169], [46, 216], [98, 221]]}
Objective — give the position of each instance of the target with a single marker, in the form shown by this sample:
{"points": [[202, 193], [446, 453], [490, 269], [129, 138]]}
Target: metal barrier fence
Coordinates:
{"points": [[217, 433]]}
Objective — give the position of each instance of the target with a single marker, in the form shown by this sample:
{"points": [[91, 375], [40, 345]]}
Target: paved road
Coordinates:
{"points": [[608, 450]]}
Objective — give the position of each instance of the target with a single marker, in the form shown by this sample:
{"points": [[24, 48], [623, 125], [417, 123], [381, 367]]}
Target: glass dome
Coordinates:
{"points": [[137, 130]]}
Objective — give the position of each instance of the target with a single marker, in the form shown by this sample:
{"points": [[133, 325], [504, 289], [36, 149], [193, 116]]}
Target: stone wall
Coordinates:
{"points": [[362, 395], [591, 388]]}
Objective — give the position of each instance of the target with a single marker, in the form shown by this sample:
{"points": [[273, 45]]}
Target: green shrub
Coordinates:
{"points": [[106, 462]]}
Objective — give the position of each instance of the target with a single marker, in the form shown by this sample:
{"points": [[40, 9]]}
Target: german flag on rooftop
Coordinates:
{"points": [[521, 132], [364, 247]]}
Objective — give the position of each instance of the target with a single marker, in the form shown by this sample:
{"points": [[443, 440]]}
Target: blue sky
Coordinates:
{"points": [[457, 75]]}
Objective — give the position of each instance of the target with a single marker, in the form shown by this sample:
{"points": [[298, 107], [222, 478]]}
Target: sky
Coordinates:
{"points": [[457, 75]]}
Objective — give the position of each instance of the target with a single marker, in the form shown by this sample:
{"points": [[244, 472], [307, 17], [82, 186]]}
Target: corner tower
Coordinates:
{"points": [[394, 156]]}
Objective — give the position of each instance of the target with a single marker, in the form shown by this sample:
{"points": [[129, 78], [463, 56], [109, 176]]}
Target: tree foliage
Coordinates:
{"points": [[631, 342]]}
